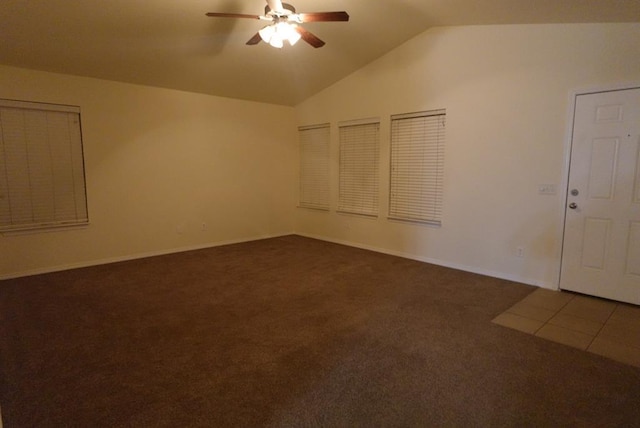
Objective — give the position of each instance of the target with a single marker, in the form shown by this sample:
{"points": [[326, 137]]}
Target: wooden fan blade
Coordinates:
{"points": [[232, 15], [323, 16], [309, 37], [255, 39]]}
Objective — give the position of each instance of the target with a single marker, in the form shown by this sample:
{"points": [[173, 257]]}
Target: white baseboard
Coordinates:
{"points": [[472, 269], [50, 269], [452, 265]]}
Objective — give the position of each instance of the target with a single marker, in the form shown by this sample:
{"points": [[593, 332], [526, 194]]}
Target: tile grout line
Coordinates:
{"points": [[535, 333], [603, 325], [593, 336]]}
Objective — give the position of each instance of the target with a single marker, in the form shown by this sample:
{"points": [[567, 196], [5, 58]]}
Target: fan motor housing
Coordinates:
{"points": [[288, 10]]}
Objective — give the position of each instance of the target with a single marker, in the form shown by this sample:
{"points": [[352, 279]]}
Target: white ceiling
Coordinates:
{"points": [[172, 44]]}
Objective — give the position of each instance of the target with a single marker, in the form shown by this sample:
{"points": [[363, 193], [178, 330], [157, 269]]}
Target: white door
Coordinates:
{"points": [[601, 249]]}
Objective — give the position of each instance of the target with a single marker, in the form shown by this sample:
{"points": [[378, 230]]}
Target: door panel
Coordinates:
{"points": [[601, 248], [636, 185], [633, 250], [594, 244], [604, 152]]}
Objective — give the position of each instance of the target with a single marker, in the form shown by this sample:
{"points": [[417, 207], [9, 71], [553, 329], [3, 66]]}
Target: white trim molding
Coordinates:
{"points": [[136, 256]]}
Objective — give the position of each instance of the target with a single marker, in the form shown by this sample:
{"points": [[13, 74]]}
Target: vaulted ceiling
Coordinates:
{"points": [[172, 44]]}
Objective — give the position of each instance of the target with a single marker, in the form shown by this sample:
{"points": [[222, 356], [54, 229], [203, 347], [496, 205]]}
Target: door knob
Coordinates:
{"points": [[573, 205]]}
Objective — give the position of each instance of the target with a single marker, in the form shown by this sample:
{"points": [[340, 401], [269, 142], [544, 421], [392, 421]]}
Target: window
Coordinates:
{"points": [[359, 169], [41, 166], [417, 166], [314, 166]]}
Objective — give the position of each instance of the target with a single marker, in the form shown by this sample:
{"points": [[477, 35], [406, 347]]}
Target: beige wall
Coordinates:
{"points": [[506, 90], [159, 164]]}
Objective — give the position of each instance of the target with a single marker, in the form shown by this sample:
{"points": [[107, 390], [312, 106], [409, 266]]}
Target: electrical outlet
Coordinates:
{"points": [[203, 227], [520, 252]]}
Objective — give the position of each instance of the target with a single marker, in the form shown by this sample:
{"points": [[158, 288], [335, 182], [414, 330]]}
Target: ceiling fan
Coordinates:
{"points": [[284, 24]]}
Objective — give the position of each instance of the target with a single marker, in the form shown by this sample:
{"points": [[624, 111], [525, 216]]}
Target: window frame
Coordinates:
{"points": [[357, 193], [43, 182], [314, 175], [423, 189]]}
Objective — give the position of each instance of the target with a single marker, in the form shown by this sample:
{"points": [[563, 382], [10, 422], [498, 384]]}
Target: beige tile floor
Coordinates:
{"points": [[595, 325]]}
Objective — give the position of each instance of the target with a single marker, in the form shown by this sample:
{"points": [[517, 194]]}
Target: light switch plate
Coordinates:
{"points": [[546, 189]]}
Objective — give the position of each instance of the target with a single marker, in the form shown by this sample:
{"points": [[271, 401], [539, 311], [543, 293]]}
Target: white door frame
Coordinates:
{"points": [[564, 186]]}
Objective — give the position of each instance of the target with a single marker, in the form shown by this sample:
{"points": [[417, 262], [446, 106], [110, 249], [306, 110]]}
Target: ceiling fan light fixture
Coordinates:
{"points": [[276, 41], [276, 34], [267, 33], [284, 24], [292, 34]]}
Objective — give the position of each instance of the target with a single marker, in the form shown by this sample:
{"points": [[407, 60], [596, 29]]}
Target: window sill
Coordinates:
{"points": [[43, 229]]}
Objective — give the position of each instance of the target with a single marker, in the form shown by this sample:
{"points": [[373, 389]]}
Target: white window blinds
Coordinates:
{"points": [[41, 166], [417, 166], [359, 167], [314, 166]]}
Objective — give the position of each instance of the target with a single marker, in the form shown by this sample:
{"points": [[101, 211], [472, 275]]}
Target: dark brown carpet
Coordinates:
{"points": [[289, 332]]}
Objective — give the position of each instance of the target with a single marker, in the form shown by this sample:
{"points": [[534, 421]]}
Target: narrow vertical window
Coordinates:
{"points": [[314, 166], [42, 182], [359, 167], [417, 166]]}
